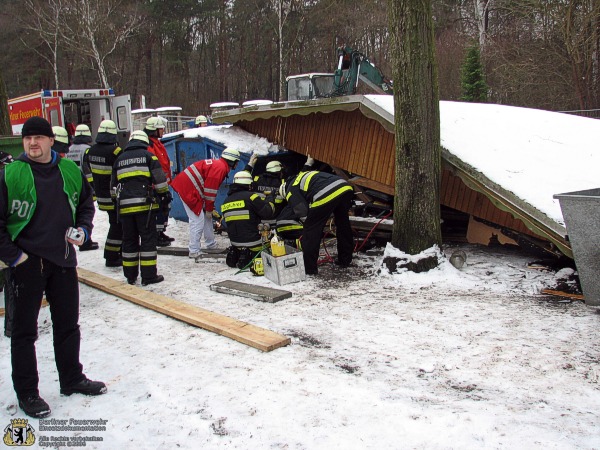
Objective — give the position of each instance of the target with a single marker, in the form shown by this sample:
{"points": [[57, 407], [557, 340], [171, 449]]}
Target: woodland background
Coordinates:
{"points": [[190, 53]]}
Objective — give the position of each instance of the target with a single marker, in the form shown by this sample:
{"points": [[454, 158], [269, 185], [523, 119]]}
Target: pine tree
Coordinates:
{"points": [[474, 87]]}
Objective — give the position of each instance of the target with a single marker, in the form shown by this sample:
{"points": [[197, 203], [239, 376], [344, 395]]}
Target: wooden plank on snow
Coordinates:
{"points": [[252, 335], [563, 294]]}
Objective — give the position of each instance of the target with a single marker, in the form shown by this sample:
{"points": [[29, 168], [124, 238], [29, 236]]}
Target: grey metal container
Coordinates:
{"points": [[581, 211]]}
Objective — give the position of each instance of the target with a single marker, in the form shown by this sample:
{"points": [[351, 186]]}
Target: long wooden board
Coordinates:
{"points": [[563, 294], [243, 332]]}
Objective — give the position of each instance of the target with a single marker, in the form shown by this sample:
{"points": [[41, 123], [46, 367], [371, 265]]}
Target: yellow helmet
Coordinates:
{"points": [[242, 177], [153, 123], [107, 126], [139, 135], [230, 154], [60, 135], [82, 130], [274, 166], [201, 119]]}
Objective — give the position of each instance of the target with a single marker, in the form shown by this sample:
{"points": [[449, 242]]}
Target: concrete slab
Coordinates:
{"points": [[260, 293]]}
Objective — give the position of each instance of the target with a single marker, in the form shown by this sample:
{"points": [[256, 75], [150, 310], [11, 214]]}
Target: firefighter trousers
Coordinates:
{"points": [[114, 238], [313, 231], [139, 245]]}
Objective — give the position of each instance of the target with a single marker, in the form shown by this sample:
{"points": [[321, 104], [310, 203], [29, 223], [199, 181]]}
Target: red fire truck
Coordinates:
{"points": [[70, 107]]}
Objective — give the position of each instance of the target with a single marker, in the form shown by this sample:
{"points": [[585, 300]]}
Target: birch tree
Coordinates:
{"points": [[482, 12], [97, 28], [44, 20]]}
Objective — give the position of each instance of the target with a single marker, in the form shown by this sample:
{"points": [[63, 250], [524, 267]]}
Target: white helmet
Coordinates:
{"points": [[201, 119], [163, 122], [153, 123], [107, 126], [82, 130], [139, 135], [60, 135], [230, 154], [242, 177], [274, 166]]}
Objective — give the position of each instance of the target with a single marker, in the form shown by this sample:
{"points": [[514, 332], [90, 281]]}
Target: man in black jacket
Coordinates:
{"points": [[97, 164], [243, 210], [42, 197], [317, 195], [143, 187]]}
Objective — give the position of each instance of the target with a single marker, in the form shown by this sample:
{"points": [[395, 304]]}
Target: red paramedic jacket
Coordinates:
{"points": [[198, 184], [158, 149]]}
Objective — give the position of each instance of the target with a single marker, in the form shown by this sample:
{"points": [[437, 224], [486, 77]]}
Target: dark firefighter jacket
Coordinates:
{"points": [[243, 210], [313, 189], [137, 176], [289, 225], [267, 182], [97, 165]]}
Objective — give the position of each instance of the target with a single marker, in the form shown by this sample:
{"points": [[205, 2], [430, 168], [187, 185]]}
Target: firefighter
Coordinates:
{"points": [[197, 186], [82, 140], [140, 188], [201, 121], [317, 195], [271, 180], [97, 164], [61, 146], [243, 210], [289, 226], [61, 141], [154, 129]]}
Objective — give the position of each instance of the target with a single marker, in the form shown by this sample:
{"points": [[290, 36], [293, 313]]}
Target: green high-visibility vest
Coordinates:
{"points": [[22, 197]]}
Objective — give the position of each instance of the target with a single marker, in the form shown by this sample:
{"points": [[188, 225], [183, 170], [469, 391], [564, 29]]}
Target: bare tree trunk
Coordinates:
{"points": [[416, 101]]}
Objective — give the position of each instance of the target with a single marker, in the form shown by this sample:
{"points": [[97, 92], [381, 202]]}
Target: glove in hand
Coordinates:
{"points": [[309, 160]]}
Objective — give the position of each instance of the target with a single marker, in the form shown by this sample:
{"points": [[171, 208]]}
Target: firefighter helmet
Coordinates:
{"points": [[82, 130], [274, 166], [201, 119], [60, 135], [139, 135], [230, 154], [107, 126], [153, 123], [243, 177]]}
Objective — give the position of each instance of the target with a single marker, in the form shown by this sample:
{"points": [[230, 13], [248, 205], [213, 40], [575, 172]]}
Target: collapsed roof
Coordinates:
{"points": [[501, 164]]}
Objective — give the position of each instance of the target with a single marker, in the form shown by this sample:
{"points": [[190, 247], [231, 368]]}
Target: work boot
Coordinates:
{"points": [[156, 279], [85, 387], [164, 237], [114, 262], [131, 280], [34, 406], [162, 242], [89, 245]]}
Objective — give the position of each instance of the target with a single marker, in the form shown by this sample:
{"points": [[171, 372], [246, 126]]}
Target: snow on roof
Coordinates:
{"points": [[168, 108], [143, 111], [229, 136], [532, 153]]}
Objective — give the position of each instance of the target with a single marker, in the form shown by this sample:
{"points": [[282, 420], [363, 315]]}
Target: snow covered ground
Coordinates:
{"points": [[451, 359]]}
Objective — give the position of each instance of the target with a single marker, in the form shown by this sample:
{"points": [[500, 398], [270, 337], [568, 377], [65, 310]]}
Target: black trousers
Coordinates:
{"points": [[114, 238], [28, 282], [139, 245], [313, 230]]}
